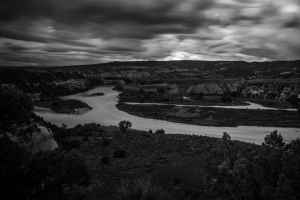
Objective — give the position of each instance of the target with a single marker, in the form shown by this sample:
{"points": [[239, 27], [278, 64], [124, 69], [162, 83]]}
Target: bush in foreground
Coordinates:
{"points": [[239, 170], [140, 189]]}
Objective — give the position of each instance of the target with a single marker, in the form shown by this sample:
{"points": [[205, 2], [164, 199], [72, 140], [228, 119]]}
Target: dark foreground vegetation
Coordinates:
{"points": [[98, 162], [214, 116], [28, 174], [64, 106]]}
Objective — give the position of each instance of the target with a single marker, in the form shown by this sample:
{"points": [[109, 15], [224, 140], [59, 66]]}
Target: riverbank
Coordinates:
{"points": [[63, 106], [164, 94], [272, 103], [210, 116], [106, 113], [159, 97]]}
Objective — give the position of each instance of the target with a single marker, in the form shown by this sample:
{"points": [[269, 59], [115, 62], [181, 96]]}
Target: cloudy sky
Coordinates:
{"points": [[71, 32]]}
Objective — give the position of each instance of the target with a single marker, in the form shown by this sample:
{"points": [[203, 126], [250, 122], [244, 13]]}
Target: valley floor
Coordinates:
{"points": [[210, 116]]}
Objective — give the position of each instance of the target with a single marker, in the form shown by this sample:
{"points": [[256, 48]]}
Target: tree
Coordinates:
{"points": [[289, 181], [274, 140], [238, 170], [234, 94], [124, 125], [15, 108], [160, 131], [229, 171]]}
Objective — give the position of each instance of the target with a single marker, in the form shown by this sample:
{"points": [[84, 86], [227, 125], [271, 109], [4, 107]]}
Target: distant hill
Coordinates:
{"points": [[32, 79]]}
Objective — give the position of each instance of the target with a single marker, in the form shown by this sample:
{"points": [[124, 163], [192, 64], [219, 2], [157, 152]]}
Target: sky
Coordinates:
{"points": [[76, 32]]}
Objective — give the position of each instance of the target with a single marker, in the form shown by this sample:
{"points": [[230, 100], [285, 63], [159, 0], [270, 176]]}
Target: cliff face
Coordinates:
{"points": [[205, 89], [74, 84], [138, 75], [133, 74]]}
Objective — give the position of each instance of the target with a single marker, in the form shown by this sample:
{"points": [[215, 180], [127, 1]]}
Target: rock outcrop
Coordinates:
{"points": [[42, 140]]}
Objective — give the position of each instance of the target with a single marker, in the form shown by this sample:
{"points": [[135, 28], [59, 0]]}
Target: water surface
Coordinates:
{"points": [[105, 113]]}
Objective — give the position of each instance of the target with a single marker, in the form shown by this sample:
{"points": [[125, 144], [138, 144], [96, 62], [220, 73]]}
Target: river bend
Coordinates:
{"points": [[105, 113]]}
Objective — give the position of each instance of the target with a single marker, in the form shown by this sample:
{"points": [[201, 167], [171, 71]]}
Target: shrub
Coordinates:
{"points": [[62, 133], [160, 131], [140, 189], [119, 153], [150, 131], [70, 144], [105, 160]]}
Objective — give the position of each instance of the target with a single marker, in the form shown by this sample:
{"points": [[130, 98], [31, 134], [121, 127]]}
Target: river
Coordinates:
{"points": [[105, 113]]}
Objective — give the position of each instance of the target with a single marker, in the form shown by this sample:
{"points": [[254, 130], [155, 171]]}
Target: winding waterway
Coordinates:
{"points": [[105, 113]]}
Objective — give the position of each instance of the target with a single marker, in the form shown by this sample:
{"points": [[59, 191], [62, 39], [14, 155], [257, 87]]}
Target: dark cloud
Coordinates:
{"points": [[14, 47], [260, 52], [91, 31], [18, 35], [292, 23]]}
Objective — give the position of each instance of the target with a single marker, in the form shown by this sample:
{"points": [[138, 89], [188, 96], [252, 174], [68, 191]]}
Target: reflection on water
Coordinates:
{"points": [[105, 113]]}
